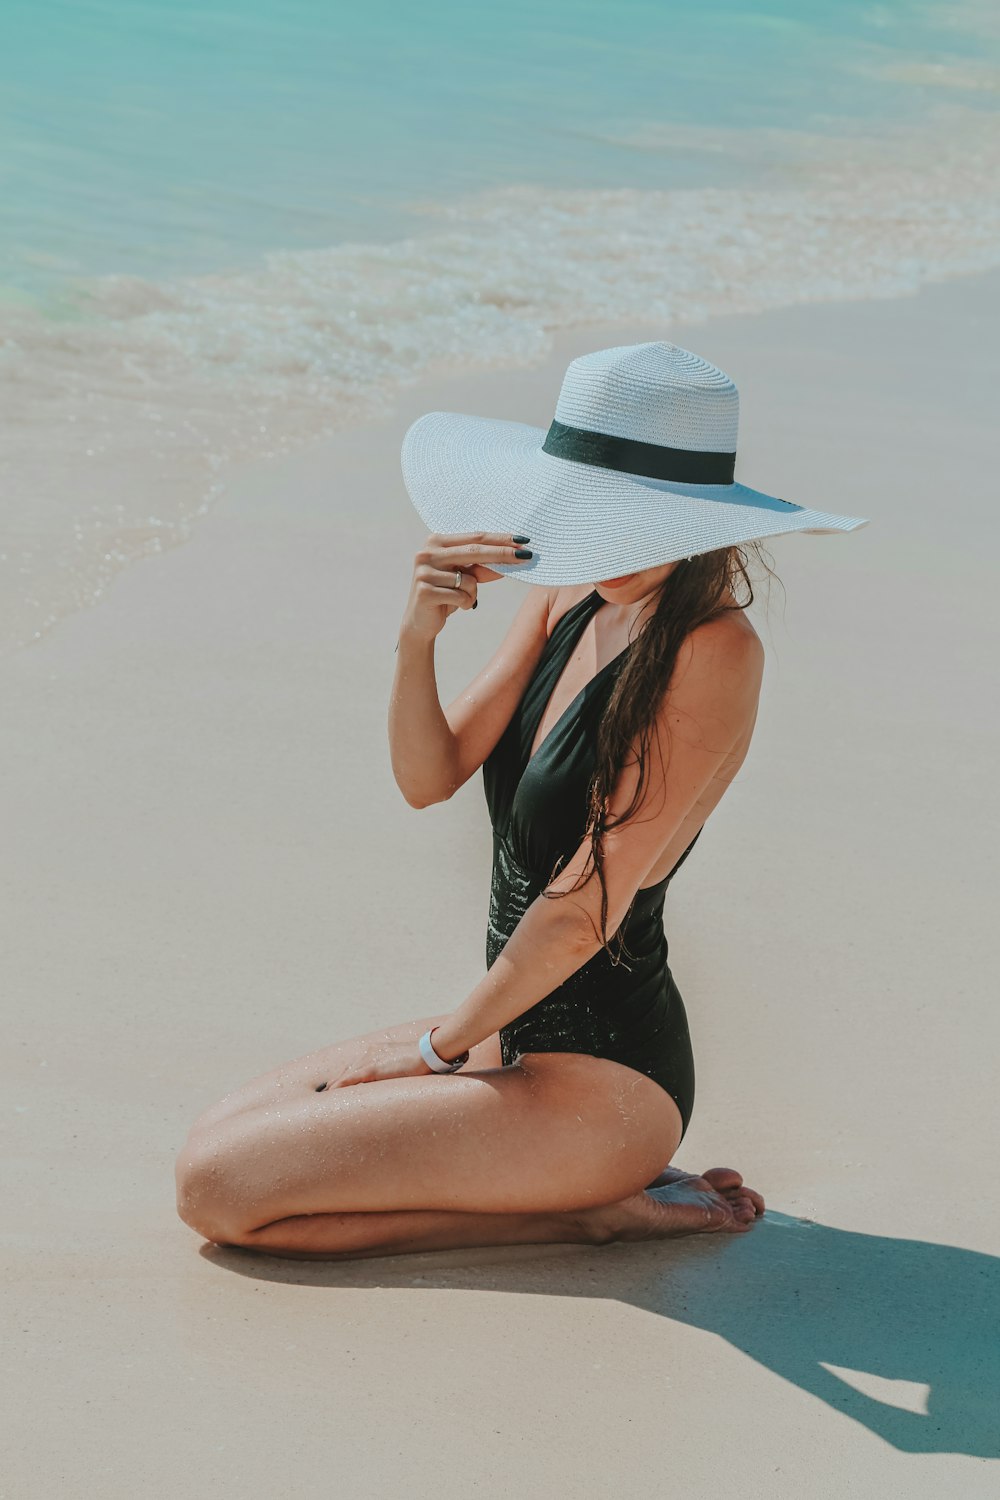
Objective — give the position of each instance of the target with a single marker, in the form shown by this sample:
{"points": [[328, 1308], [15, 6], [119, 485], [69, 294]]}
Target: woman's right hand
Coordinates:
{"points": [[433, 595]]}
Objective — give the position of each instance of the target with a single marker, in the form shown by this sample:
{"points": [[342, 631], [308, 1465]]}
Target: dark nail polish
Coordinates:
{"points": [[475, 603], [520, 538], [523, 552]]}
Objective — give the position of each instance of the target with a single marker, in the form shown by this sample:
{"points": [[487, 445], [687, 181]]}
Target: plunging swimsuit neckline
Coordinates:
{"points": [[624, 1006], [575, 704]]}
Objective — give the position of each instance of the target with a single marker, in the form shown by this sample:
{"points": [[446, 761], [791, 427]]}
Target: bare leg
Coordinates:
{"points": [[553, 1132], [357, 1236], [716, 1202], [553, 1149], [307, 1073]]}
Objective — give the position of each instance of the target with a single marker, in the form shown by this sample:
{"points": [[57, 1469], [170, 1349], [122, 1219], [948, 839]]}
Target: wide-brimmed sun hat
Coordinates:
{"points": [[636, 470]]}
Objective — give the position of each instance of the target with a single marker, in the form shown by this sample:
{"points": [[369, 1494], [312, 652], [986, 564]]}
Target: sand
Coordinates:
{"points": [[209, 870]]}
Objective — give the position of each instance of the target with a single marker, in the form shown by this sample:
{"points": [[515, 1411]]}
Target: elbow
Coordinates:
{"points": [[430, 784], [416, 793], [415, 799], [424, 779], [574, 925], [442, 793], [418, 801], [570, 927]]}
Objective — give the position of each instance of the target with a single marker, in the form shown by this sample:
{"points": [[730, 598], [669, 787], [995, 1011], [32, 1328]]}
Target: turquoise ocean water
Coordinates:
{"points": [[228, 228]]}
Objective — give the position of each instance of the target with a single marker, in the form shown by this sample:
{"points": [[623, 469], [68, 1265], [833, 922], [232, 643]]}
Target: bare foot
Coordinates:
{"points": [[725, 1180], [679, 1203]]}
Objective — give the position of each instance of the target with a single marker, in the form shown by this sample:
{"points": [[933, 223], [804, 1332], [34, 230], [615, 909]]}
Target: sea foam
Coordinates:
{"points": [[127, 400]]}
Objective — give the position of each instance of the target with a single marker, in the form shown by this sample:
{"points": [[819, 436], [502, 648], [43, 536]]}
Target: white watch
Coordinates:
{"points": [[435, 1063]]}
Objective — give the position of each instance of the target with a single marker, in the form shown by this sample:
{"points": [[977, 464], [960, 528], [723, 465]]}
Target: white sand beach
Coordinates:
{"points": [[209, 869]]}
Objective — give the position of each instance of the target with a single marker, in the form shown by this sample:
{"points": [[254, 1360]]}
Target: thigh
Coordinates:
{"points": [[304, 1073], [550, 1132]]}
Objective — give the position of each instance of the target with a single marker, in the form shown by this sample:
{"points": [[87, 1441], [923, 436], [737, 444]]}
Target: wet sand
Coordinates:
{"points": [[209, 870]]}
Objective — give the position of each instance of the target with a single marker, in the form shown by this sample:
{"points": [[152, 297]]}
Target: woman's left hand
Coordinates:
{"points": [[384, 1060]]}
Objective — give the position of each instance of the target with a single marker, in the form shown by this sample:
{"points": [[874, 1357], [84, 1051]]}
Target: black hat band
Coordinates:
{"points": [[629, 456]]}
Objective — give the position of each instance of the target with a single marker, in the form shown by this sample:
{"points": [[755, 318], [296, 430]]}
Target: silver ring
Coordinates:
{"points": [[458, 578]]}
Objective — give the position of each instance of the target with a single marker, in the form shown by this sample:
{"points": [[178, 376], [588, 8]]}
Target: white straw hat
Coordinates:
{"points": [[635, 471]]}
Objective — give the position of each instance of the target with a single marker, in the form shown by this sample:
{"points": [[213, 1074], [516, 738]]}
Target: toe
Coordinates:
{"points": [[723, 1179], [719, 1216]]}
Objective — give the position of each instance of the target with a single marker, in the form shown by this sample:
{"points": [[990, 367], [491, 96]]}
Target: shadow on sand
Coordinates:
{"points": [[793, 1294]]}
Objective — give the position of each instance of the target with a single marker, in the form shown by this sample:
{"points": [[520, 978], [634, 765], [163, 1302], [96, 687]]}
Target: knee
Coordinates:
{"points": [[204, 1198]]}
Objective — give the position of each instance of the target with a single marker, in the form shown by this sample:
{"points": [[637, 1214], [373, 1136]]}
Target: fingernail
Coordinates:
{"points": [[522, 552], [475, 603], [520, 538]]}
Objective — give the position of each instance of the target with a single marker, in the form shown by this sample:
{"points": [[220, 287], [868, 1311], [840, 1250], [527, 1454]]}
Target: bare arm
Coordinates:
{"points": [[421, 743], [435, 751]]}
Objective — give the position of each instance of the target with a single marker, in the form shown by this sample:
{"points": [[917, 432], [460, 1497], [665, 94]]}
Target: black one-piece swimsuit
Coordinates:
{"points": [[631, 1012]]}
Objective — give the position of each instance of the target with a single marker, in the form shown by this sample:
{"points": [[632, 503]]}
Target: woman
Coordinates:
{"points": [[608, 725]]}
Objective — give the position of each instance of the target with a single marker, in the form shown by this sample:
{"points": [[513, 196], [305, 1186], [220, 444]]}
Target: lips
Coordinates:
{"points": [[613, 582]]}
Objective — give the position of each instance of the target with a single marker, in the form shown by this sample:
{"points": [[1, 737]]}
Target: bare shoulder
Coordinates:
{"points": [[562, 598], [718, 674], [730, 641]]}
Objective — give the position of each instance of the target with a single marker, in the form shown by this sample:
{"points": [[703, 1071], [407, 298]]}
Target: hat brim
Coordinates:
{"points": [[467, 473]]}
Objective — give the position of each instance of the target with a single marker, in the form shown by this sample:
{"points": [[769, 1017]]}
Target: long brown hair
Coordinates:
{"points": [[692, 593]]}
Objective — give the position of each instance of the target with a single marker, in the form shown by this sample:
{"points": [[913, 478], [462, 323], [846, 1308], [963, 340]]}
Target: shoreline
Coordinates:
{"points": [[209, 870], [127, 413]]}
